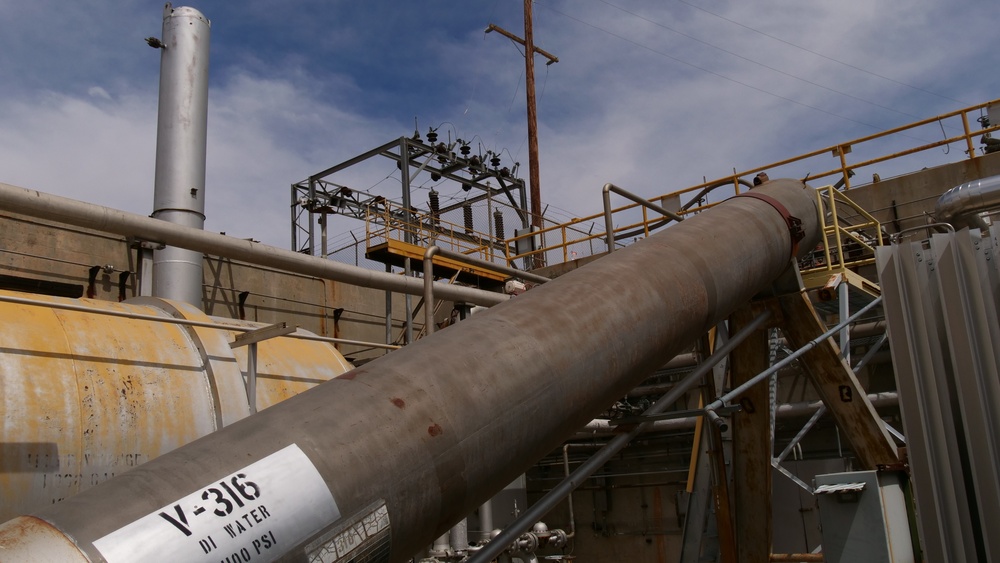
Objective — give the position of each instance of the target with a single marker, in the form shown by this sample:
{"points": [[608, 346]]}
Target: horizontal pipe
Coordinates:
{"points": [[797, 557], [722, 400], [609, 223], [487, 265], [185, 322], [961, 205], [412, 442], [87, 215], [602, 427]]}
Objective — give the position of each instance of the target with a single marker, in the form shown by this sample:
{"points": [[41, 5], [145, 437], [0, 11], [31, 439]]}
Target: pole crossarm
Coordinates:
{"points": [[492, 27]]}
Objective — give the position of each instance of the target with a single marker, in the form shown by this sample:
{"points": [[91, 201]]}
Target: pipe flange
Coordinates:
{"points": [[557, 538], [527, 543]]}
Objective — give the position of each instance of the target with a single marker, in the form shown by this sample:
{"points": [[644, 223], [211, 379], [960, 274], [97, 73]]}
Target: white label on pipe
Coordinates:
{"points": [[254, 515], [363, 538]]}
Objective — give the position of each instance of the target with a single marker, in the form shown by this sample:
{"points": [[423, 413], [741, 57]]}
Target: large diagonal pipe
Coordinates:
{"points": [[389, 456]]}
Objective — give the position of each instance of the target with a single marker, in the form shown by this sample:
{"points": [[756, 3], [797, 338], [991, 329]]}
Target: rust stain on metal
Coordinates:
{"points": [[400, 403], [29, 538], [89, 397], [435, 429]]}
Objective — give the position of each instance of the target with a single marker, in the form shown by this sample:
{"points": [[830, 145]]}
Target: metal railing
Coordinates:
{"points": [[846, 243], [390, 221], [694, 199], [562, 242]]}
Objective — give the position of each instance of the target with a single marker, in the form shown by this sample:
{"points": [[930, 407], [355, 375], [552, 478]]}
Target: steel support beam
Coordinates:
{"points": [[751, 446], [837, 385]]}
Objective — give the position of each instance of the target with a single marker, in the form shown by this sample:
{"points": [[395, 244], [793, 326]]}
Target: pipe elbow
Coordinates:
{"points": [[961, 206]]}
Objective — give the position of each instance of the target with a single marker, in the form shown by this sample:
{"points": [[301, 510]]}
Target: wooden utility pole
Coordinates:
{"points": [[529, 83], [529, 88]]}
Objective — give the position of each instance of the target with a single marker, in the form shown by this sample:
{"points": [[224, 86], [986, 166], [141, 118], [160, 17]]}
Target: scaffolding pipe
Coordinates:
{"points": [[80, 214], [721, 401], [609, 226], [410, 443], [602, 427], [184, 322]]}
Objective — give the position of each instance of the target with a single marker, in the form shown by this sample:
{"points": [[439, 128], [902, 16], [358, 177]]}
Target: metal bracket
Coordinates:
{"points": [[250, 339], [794, 223]]}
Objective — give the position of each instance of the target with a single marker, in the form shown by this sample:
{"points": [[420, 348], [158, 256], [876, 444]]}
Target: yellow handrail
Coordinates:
{"points": [[574, 233]]}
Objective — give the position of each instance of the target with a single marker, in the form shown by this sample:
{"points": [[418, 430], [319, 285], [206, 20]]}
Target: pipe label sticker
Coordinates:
{"points": [[254, 515], [363, 538]]}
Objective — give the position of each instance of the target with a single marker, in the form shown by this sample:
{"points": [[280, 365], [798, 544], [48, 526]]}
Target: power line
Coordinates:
{"points": [[818, 54], [706, 70], [712, 72], [771, 68]]}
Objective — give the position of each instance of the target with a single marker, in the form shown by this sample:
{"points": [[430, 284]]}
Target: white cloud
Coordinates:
{"points": [[630, 101], [98, 92]]}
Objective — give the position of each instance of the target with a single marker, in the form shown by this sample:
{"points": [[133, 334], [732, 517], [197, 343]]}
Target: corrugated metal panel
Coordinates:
{"points": [[942, 311]]}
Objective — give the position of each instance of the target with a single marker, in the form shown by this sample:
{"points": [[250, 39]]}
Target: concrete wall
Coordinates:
{"points": [[35, 252], [900, 202]]}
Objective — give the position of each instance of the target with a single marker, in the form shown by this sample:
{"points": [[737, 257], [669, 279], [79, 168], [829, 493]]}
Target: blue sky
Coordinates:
{"points": [[650, 95]]}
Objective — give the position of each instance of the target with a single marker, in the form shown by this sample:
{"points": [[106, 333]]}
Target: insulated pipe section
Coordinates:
{"points": [[389, 456], [90, 216], [961, 205], [181, 133]]}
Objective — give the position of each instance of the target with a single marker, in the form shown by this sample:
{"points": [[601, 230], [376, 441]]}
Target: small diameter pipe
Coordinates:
{"points": [[822, 409], [108, 220], [487, 265], [609, 227], [434, 250], [485, 520], [871, 353], [801, 434], [184, 322], [602, 428], [721, 401], [569, 497], [429, 288], [845, 311], [536, 511], [797, 557]]}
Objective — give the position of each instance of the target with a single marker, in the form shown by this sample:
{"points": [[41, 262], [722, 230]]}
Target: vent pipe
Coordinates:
{"points": [[962, 205], [181, 131]]}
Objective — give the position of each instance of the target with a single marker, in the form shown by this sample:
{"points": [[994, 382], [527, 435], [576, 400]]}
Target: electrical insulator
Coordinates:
{"points": [[435, 176], [435, 203], [432, 136], [498, 224], [466, 187], [465, 150], [504, 172], [467, 213], [495, 161]]}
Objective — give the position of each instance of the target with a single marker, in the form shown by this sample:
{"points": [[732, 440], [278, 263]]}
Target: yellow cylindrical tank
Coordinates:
{"points": [[86, 396]]}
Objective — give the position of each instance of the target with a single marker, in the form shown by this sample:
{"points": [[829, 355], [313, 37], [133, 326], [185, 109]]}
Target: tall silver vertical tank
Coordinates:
{"points": [[181, 141]]}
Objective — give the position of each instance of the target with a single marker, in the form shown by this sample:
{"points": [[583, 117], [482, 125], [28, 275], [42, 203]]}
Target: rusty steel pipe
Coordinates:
{"points": [[390, 455]]}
